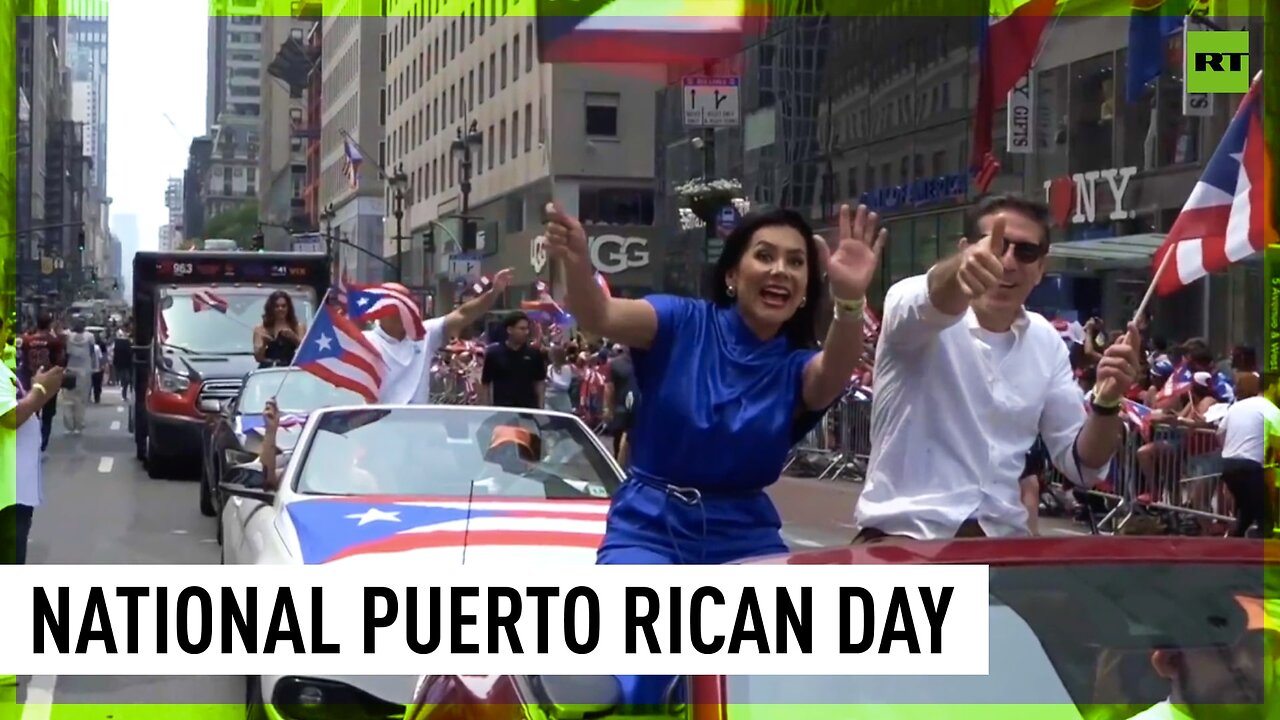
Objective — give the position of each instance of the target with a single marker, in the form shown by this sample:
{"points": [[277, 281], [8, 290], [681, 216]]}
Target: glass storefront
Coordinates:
{"points": [[915, 244]]}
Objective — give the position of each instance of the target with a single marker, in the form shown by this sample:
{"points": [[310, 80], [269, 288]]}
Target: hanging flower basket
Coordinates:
{"points": [[705, 198]]}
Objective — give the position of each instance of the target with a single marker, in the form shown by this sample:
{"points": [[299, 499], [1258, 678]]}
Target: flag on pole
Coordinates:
{"points": [[336, 351], [1007, 48], [351, 162], [1151, 24], [1225, 219], [379, 301], [204, 299]]}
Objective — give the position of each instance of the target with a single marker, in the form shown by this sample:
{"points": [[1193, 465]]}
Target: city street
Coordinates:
{"points": [[101, 508]]}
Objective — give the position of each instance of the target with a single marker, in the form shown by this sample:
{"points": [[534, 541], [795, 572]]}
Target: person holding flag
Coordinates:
{"points": [[967, 378], [405, 342]]}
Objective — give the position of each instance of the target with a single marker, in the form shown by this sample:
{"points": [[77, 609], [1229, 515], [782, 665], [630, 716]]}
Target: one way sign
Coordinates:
{"points": [[711, 102]]}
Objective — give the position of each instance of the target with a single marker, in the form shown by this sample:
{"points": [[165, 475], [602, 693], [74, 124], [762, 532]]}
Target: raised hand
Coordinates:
{"points": [[502, 279], [566, 240], [982, 270], [851, 268], [1118, 368]]}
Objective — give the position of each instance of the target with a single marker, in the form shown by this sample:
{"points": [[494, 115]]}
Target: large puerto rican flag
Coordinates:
{"points": [[640, 31], [336, 351], [1225, 220], [337, 529], [378, 301]]}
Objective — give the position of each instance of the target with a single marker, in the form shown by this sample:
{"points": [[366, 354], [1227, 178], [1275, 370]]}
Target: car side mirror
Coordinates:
{"points": [[234, 457], [247, 481], [577, 697]]}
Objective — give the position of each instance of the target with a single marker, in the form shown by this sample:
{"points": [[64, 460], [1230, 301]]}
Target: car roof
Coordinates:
{"points": [[1086, 549]]}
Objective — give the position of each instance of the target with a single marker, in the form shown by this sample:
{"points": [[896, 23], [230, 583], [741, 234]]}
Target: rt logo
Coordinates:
{"points": [[1219, 62]]}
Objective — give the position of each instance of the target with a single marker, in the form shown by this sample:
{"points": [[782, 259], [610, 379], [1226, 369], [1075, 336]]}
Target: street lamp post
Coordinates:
{"points": [[462, 148], [399, 181], [328, 216]]}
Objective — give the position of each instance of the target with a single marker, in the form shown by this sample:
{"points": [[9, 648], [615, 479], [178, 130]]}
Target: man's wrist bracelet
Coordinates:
{"points": [[43, 390]]}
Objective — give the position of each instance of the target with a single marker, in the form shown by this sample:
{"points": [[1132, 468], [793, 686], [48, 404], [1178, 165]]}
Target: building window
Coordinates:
{"points": [[502, 140], [480, 77], [528, 48], [515, 58], [602, 114], [471, 26], [504, 66], [616, 206], [493, 73], [852, 183], [1092, 114], [515, 134], [471, 89], [528, 127], [490, 146]]}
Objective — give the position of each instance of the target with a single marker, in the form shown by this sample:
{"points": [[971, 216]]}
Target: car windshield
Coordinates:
{"points": [[1078, 641], [191, 324], [294, 391], [454, 452]]}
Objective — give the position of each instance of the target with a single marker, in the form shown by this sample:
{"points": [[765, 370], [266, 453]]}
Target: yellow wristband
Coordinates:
{"points": [[1107, 405], [848, 309], [43, 390]]}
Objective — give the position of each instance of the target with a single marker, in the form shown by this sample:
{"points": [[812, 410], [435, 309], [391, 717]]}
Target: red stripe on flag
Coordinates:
{"points": [[473, 538]]}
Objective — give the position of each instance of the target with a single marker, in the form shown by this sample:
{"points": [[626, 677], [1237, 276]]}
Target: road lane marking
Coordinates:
{"points": [[115, 425], [105, 464], [180, 532], [39, 700]]}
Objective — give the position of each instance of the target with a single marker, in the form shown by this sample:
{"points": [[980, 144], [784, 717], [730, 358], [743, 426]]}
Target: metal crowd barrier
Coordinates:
{"points": [[1171, 478], [839, 447]]}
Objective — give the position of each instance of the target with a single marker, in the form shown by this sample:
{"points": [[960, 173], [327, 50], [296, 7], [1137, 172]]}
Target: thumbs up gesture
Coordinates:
{"points": [[982, 269], [566, 240]]}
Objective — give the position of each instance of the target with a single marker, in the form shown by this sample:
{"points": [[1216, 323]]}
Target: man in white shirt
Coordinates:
{"points": [[20, 426], [408, 362], [1249, 428], [966, 379]]}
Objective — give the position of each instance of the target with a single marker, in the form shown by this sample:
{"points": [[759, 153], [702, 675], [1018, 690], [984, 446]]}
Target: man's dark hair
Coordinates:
{"points": [[989, 204], [44, 322], [510, 320], [1197, 352]]}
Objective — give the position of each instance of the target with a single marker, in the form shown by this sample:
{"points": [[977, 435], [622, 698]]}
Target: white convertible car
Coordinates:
{"points": [[413, 486]]}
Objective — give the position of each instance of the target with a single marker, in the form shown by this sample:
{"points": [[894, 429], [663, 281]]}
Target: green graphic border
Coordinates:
{"points": [[9, 9]]}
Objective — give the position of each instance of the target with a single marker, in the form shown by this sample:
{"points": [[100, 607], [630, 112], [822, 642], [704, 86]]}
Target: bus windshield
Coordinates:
{"points": [[220, 320]]}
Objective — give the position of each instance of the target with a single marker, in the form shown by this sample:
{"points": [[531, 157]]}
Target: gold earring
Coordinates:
{"points": [[733, 292]]}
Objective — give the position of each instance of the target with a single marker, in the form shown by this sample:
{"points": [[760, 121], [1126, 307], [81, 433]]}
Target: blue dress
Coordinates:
{"points": [[720, 410]]}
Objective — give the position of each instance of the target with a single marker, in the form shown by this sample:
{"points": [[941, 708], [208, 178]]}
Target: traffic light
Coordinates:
{"points": [[259, 242], [468, 236], [80, 240], [429, 240]]}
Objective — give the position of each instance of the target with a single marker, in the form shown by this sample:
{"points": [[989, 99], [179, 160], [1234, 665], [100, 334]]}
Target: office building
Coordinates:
{"points": [[467, 101], [195, 181], [352, 76], [174, 203], [88, 43], [234, 106], [288, 61]]}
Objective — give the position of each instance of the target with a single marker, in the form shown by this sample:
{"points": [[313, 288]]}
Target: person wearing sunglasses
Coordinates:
{"points": [[966, 378]]}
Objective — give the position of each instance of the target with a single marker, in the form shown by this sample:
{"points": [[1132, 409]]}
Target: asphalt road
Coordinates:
{"points": [[101, 508]]}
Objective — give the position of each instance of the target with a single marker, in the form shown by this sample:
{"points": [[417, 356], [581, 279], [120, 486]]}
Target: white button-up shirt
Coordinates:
{"points": [[951, 422]]}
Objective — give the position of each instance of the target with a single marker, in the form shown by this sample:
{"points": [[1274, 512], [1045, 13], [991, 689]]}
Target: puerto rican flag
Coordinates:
{"points": [[1008, 44], [379, 301], [204, 299], [257, 424], [335, 529], [336, 351], [1225, 220], [545, 303], [672, 32], [351, 162], [1178, 384]]}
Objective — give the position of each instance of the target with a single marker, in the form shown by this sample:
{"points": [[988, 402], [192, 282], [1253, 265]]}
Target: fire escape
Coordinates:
{"points": [[297, 63]]}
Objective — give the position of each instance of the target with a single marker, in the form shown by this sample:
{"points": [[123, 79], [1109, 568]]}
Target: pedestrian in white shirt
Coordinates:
{"points": [[82, 350], [966, 379], [21, 493], [407, 379], [1248, 430]]}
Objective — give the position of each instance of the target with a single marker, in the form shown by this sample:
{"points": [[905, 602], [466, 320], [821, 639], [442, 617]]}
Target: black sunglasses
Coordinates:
{"points": [[1026, 253]]}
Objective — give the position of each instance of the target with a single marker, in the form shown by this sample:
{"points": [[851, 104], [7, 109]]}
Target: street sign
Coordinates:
{"points": [[711, 102], [728, 218], [465, 265]]}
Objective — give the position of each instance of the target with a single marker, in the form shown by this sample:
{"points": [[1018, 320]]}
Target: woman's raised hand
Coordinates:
{"points": [[566, 240], [853, 265]]}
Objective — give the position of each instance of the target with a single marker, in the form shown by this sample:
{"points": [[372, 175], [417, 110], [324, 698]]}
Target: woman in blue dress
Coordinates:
{"points": [[729, 385]]}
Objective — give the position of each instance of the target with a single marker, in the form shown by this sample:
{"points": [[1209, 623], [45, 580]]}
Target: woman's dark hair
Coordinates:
{"points": [[268, 317], [800, 330]]}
